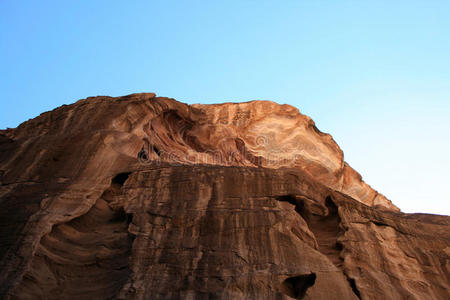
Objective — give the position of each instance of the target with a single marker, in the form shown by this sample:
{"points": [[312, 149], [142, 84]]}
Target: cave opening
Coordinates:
{"points": [[299, 205], [120, 216], [297, 286], [157, 151], [120, 178], [142, 155], [331, 206]]}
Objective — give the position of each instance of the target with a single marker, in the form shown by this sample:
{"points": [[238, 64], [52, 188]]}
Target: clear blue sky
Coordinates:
{"points": [[374, 74]]}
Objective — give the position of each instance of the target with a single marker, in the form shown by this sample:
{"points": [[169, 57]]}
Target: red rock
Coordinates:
{"points": [[143, 197]]}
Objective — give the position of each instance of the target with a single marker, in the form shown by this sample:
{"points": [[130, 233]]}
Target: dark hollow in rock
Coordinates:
{"points": [[120, 179], [354, 288], [142, 155], [297, 286]]}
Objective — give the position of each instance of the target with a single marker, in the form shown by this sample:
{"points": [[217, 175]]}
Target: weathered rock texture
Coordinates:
{"points": [[142, 197]]}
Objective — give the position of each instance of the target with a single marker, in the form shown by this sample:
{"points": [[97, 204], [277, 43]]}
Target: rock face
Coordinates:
{"points": [[141, 197]]}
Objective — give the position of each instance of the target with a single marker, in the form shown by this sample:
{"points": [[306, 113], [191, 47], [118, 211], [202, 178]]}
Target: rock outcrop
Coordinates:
{"points": [[143, 197]]}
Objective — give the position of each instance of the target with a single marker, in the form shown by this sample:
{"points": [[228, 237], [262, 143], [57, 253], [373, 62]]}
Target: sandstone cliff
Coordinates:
{"points": [[141, 197]]}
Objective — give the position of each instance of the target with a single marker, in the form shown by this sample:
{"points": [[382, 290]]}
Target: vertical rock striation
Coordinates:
{"points": [[144, 197]]}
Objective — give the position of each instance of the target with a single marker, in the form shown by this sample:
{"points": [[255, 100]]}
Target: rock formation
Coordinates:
{"points": [[142, 197]]}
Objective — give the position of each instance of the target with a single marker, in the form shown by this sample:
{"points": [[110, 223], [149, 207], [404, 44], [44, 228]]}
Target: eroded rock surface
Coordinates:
{"points": [[141, 197]]}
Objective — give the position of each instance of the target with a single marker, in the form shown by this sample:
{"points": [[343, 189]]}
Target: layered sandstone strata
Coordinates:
{"points": [[142, 197]]}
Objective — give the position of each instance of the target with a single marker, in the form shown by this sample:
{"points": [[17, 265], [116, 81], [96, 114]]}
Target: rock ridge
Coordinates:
{"points": [[254, 133]]}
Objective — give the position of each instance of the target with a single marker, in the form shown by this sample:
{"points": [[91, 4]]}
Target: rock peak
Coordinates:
{"points": [[254, 133]]}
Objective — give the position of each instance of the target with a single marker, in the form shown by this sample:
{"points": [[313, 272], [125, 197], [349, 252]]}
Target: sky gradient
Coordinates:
{"points": [[374, 74]]}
